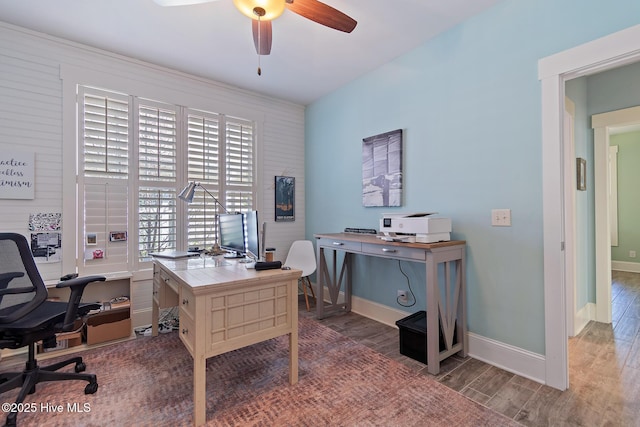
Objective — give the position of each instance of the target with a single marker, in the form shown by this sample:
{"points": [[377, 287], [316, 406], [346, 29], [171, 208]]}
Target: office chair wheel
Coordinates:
{"points": [[11, 420], [91, 388], [80, 367]]}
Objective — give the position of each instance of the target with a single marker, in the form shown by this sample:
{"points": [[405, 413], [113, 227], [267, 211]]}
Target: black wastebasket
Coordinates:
{"points": [[413, 336]]}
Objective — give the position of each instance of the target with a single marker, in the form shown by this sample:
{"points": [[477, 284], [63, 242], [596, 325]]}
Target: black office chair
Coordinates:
{"points": [[26, 317]]}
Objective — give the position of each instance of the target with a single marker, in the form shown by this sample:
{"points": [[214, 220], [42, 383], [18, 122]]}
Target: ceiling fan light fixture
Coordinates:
{"points": [[272, 8]]}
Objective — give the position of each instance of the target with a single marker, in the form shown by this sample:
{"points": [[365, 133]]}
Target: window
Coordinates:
{"points": [[157, 142], [103, 189], [105, 135], [239, 164], [136, 155], [203, 166]]}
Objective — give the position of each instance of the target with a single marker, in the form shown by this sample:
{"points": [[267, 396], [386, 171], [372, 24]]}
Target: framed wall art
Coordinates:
{"points": [[581, 174], [118, 236], [285, 198], [18, 178], [92, 239], [382, 169]]}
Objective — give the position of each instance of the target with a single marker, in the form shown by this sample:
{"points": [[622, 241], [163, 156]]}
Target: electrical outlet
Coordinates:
{"points": [[501, 217], [632, 254], [402, 296]]}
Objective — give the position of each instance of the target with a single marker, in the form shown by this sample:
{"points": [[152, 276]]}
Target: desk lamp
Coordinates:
{"points": [[187, 195]]}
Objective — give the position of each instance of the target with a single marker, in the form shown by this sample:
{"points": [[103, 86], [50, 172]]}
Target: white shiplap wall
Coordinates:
{"points": [[38, 74]]}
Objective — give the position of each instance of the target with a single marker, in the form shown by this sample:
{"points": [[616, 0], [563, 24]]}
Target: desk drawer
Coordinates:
{"points": [[187, 332], [157, 284], [187, 302], [391, 251], [163, 293], [342, 245]]}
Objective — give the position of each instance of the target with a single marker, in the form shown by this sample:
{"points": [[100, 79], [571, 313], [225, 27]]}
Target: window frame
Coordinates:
{"points": [[137, 263]]}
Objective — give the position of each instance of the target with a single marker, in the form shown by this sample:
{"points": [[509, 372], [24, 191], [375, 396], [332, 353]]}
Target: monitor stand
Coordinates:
{"points": [[233, 255]]}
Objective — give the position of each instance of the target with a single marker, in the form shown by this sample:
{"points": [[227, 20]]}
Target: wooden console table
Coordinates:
{"points": [[225, 306], [446, 302]]}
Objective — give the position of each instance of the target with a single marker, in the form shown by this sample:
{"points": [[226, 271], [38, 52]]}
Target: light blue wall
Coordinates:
{"points": [[576, 90], [469, 102], [614, 90]]}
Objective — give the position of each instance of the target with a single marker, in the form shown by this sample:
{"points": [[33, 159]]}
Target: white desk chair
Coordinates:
{"points": [[303, 257]]}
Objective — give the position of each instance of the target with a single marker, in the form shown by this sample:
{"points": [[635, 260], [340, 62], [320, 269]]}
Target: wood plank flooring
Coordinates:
{"points": [[604, 368]]}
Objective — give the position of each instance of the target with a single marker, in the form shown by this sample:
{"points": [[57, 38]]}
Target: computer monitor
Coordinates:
{"points": [[252, 234], [231, 234]]}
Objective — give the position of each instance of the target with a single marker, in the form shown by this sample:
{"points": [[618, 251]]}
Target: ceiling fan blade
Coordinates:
{"points": [[181, 2], [322, 14], [262, 36]]}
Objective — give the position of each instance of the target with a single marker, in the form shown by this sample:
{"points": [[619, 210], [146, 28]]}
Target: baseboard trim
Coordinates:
{"points": [[584, 316], [513, 359], [378, 312], [630, 267]]}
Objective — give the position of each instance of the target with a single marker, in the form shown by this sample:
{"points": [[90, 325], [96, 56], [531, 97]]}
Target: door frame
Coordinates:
{"points": [[614, 50], [570, 215]]}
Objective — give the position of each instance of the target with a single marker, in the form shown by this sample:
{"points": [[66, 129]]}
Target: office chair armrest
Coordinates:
{"points": [[12, 291], [82, 281], [77, 286], [5, 278]]}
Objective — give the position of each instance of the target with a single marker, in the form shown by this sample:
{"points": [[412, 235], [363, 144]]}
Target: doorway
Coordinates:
{"points": [[603, 126], [609, 52]]}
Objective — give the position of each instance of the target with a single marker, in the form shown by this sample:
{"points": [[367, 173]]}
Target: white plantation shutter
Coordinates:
{"points": [[135, 155], [239, 164], [203, 166], [157, 175], [106, 212], [157, 142], [103, 184], [105, 130], [157, 219]]}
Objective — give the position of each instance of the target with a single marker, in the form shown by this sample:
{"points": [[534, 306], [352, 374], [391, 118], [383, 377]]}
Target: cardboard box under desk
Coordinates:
{"points": [[109, 325], [63, 340]]}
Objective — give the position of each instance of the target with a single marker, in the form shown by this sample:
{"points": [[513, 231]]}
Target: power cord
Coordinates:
{"points": [[168, 322], [413, 297], [170, 318]]}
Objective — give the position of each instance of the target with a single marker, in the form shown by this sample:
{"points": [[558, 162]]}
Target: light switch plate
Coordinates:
{"points": [[501, 217]]}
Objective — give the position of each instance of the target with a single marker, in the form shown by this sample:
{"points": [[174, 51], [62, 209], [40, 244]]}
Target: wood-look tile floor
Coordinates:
{"points": [[604, 368]]}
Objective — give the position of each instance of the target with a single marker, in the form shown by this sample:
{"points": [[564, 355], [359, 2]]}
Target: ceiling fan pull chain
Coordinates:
{"points": [[259, 45], [259, 12]]}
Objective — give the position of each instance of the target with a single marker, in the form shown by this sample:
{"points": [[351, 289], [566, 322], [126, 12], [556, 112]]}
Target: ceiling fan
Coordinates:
{"points": [[262, 12]]}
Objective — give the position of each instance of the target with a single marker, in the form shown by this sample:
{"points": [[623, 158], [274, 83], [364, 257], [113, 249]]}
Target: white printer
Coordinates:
{"points": [[424, 226]]}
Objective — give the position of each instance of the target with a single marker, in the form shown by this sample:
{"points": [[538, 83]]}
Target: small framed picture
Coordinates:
{"points": [[285, 197], [92, 239], [118, 236], [581, 174]]}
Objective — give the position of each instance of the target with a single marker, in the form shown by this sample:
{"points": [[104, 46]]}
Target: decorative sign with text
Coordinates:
{"points": [[17, 174]]}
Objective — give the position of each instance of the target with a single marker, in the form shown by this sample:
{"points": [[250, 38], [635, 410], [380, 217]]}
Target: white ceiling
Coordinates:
{"points": [[214, 40]]}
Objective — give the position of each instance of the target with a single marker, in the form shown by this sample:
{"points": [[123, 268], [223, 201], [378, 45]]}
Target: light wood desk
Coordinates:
{"points": [[446, 302], [225, 306]]}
